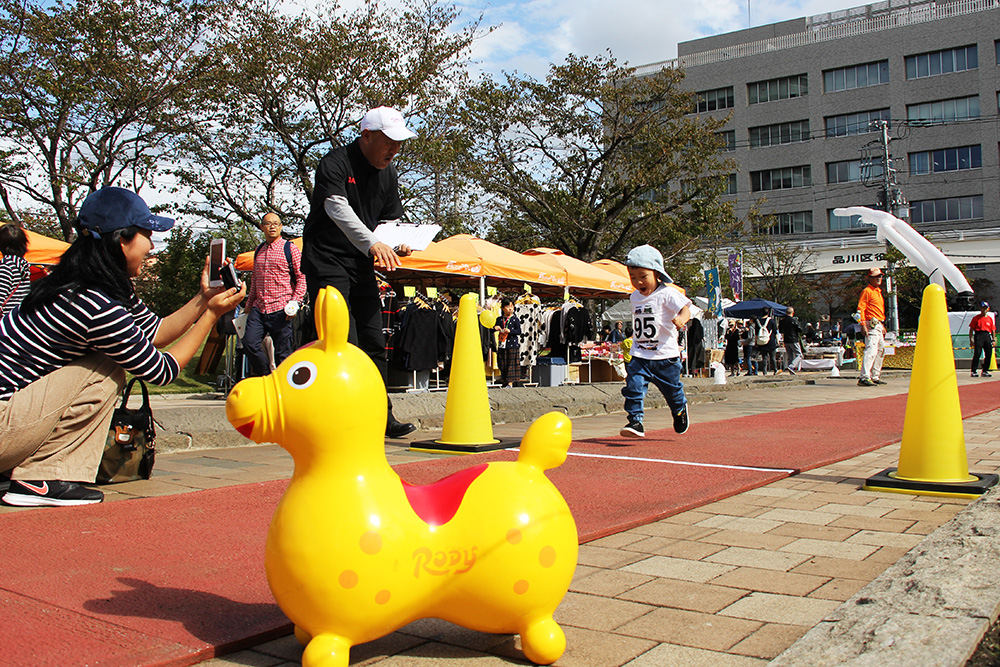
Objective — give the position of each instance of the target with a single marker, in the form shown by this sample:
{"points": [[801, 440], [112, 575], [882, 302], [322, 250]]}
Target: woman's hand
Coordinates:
{"points": [[225, 300]]}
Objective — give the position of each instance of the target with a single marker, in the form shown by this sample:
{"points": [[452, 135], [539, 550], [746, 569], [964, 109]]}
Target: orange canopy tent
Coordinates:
{"points": [[507, 266], [433, 259], [42, 249], [616, 268], [584, 279]]}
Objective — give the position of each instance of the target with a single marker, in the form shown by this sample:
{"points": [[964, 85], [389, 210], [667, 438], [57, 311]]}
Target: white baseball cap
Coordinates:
{"points": [[389, 121]]}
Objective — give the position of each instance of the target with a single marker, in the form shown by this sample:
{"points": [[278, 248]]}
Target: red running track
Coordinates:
{"points": [[178, 579]]}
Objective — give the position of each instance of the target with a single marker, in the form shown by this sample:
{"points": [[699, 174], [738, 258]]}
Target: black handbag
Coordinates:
{"points": [[130, 449]]}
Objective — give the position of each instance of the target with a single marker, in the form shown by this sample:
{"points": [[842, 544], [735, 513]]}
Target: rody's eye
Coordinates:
{"points": [[302, 374]]}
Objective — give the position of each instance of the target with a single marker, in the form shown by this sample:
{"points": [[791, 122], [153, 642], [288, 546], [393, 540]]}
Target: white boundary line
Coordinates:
{"points": [[679, 463]]}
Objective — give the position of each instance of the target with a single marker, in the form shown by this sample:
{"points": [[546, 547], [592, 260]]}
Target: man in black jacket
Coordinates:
{"points": [[357, 188], [791, 333]]}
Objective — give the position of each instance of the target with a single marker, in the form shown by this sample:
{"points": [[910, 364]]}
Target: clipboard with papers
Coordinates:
{"points": [[395, 234]]}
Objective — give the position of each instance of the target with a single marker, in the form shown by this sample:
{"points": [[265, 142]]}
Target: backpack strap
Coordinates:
{"points": [[288, 259]]}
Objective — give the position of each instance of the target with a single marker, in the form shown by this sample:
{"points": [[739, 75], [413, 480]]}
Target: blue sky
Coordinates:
{"points": [[534, 33]]}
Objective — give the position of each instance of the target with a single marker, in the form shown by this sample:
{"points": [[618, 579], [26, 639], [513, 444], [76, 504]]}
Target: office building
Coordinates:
{"points": [[806, 97]]}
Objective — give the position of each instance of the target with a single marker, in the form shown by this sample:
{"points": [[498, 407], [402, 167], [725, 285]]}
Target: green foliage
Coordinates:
{"points": [[287, 89], [588, 160], [780, 265], [88, 91]]}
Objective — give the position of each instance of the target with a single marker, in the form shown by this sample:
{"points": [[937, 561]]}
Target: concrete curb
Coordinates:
{"points": [[198, 421], [930, 609]]}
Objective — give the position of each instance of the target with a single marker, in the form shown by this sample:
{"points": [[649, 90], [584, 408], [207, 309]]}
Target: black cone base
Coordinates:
{"points": [[885, 482], [436, 447]]}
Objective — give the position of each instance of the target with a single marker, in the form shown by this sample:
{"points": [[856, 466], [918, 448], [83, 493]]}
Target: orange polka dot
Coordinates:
{"points": [[547, 557], [371, 543], [382, 597], [513, 536], [521, 587], [348, 578]]}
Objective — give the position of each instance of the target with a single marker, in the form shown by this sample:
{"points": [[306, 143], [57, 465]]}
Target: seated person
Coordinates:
{"points": [[64, 352]]}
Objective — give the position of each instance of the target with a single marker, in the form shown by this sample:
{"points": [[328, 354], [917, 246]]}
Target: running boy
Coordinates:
{"points": [[659, 310]]}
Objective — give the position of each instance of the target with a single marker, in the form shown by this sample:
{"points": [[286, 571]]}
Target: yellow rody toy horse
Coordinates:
{"points": [[354, 552]]}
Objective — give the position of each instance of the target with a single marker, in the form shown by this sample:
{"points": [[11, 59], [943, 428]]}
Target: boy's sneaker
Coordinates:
{"points": [[975, 374], [52, 493], [681, 421], [633, 429], [987, 374]]}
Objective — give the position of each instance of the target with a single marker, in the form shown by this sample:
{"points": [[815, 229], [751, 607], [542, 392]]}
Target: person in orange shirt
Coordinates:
{"points": [[871, 309]]}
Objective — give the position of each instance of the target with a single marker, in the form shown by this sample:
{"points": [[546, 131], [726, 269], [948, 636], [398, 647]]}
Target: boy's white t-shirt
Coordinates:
{"points": [[654, 335]]}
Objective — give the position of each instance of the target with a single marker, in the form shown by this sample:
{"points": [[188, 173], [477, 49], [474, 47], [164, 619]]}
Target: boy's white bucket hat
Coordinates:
{"points": [[647, 257]]}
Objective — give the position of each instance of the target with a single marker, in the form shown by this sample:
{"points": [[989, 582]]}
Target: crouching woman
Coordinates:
{"points": [[64, 352]]}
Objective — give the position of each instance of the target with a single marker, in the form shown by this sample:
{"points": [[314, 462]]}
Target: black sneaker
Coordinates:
{"points": [[975, 374], [865, 382], [395, 429], [54, 493], [633, 429], [987, 374], [681, 421], [878, 381]]}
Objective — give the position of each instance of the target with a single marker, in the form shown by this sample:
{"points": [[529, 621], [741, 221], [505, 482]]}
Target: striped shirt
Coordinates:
{"points": [[34, 344], [15, 280]]}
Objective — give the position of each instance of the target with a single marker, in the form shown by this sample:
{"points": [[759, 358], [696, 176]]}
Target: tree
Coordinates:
{"points": [[778, 264], [832, 293], [87, 94], [290, 88], [593, 160]]}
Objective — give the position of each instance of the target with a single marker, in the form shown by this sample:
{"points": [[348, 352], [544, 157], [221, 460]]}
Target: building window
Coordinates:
{"points": [[946, 159], [852, 171], [947, 210], [778, 89], [781, 179], [942, 62], [854, 123], [713, 100], [782, 133], [800, 222], [838, 223], [728, 140], [996, 45], [858, 76], [944, 111], [731, 185]]}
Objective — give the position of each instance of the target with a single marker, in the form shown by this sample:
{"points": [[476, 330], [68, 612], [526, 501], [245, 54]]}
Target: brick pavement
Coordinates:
{"points": [[733, 583]]}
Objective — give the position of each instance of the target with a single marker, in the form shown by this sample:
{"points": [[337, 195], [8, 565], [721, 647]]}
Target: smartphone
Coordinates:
{"points": [[229, 277], [216, 257]]}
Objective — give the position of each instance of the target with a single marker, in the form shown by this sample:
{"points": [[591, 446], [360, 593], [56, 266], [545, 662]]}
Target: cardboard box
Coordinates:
{"points": [[598, 371], [573, 373]]}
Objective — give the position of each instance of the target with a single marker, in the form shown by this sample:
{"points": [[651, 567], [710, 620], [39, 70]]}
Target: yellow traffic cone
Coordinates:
{"points": [[468, 426], [932, 457], [993, 360]]}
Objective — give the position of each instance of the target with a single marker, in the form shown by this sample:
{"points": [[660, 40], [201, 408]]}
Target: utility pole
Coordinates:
{"points": [[891, 202]]}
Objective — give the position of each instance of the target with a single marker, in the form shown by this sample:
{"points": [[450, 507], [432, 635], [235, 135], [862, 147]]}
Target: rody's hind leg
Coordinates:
{"points": [[543, 641]]}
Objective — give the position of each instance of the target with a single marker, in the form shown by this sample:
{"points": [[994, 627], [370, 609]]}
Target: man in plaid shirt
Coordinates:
{"points": [[272, 293]]}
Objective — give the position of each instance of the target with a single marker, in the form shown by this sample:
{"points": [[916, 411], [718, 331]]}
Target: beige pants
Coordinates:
{"points": [[56, 427]]}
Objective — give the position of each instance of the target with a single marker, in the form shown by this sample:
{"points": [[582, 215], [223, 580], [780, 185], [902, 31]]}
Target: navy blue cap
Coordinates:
{"points": [[112, 208]]}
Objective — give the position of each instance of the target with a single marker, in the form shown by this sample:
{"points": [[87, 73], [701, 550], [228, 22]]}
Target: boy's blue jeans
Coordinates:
{"points": [[664, 373]]}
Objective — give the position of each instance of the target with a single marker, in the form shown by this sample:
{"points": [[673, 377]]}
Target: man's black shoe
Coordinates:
{"points": [[53, 493], [396, 429], [865, 382], [681, 421]]}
